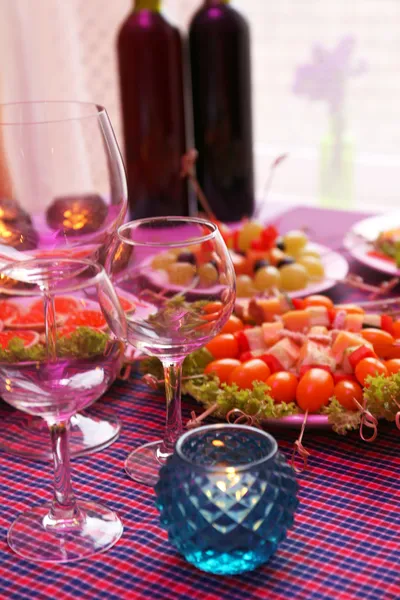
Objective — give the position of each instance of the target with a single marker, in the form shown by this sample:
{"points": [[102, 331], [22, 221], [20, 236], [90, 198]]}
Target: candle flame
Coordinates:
{"points": [[5, 233], [75, 217], [218, 443]]}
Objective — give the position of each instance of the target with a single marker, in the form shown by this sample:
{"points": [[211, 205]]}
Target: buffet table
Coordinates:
{"points": [[345, 543]]}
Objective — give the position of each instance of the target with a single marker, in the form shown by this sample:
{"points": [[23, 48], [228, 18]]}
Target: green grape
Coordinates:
{"points": [[314, 266], [249, 232], [309, 252], [294, 242], [163, 260], [208, 274], [266, 278], [181, 273], [244, 286], [294, 277]]}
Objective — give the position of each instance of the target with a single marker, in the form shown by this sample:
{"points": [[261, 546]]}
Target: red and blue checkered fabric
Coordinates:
{"points": [[345, 544]]}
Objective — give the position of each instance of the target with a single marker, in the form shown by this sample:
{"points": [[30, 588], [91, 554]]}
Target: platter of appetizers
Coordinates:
{"points": [[375, 242], [283, 358], [263, 260], [79, 323]]}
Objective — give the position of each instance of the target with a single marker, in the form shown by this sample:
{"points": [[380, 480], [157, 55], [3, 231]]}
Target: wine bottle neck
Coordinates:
{"points": [[153, 5], [216, 2]]}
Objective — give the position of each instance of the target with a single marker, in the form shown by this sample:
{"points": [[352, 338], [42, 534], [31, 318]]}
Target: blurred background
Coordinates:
{"points": [[53, 49]]}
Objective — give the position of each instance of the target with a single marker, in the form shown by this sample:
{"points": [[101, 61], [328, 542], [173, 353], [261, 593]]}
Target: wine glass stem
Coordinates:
{"points": [[173, 427], [64, 512]]}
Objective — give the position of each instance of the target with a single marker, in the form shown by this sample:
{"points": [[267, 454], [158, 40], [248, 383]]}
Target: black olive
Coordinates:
{"points": [[259, 264], [186, 257], [280, 244], [214, 264], [285, 261]]}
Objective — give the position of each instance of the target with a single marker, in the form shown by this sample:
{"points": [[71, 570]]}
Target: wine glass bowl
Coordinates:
{"points": [[62, 193], [53, 372], [179, 274], [63, 184], [169, 320]]}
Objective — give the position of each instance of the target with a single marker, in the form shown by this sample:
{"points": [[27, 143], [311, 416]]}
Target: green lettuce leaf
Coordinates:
{"points": [[342, 420], [85, 342], [381, 395], [194, 364], [16, 352], [82, 343], [256, 402]]}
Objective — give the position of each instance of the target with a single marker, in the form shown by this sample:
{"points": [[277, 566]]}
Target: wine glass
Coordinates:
{"points": [[179, 273], [63, 370], [62, 193]]}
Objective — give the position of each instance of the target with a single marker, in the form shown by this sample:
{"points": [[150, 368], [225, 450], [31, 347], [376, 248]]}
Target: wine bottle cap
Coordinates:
{"points": [[153, 5], [216, 2]]}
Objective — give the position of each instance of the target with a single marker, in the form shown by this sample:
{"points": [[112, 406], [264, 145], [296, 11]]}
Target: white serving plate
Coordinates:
{"points": [[359, 241]]}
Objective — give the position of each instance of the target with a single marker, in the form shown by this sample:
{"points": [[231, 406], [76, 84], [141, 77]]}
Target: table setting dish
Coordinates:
{"points": [[373, 242], [263, 260], [290, 362]]}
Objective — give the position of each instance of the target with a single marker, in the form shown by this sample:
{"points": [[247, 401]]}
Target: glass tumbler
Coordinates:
{"points": [[226, 497]]}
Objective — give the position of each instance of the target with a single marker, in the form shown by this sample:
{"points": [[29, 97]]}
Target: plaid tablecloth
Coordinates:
{"points": [[346, 539]]}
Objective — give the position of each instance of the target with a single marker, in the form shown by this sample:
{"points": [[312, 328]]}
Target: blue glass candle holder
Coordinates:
{"points": [[226, 497]]}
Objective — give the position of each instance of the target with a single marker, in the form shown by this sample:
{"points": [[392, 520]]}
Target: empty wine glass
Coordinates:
{"points": [[62, 193], [65, 368], [180, 275]]}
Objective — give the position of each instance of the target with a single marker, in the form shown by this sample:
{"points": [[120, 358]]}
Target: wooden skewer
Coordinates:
{"points": [[153, 382], [188, 163], [299, 448], [268, 184], [196, 421]]}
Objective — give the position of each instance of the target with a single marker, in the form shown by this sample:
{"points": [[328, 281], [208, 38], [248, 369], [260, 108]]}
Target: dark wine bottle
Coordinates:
{"points": [[219, 42], [152, 97]]}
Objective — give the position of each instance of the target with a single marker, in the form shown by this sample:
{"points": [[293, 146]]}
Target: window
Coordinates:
{"points": [[59, 50]]}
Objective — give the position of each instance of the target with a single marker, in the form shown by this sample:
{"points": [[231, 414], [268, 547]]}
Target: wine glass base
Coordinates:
{"points": [[144, 463], [100, 530], [29, 437]]}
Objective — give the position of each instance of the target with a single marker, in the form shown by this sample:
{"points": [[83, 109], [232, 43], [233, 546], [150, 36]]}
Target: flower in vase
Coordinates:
{"points": [[325, 77]]}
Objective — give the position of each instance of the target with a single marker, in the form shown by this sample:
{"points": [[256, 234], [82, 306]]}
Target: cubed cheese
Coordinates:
{"points": [[271, 332]]}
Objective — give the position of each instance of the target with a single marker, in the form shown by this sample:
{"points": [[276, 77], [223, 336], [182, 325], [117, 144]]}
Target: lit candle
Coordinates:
{"points": [[76, 215], [19, 234]]}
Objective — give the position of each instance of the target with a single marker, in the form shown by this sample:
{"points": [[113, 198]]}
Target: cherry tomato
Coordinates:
{"points": [[378, 338], [252, 370], [222, 368], [396, 329], [314, 390], [212, 311], [345, 391], [223, 346], [232, 325], [318, 300], [369, 366], [212, 307], [283, 386], [241, 264], [352, 309], [393, 365], [392, 351]]}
